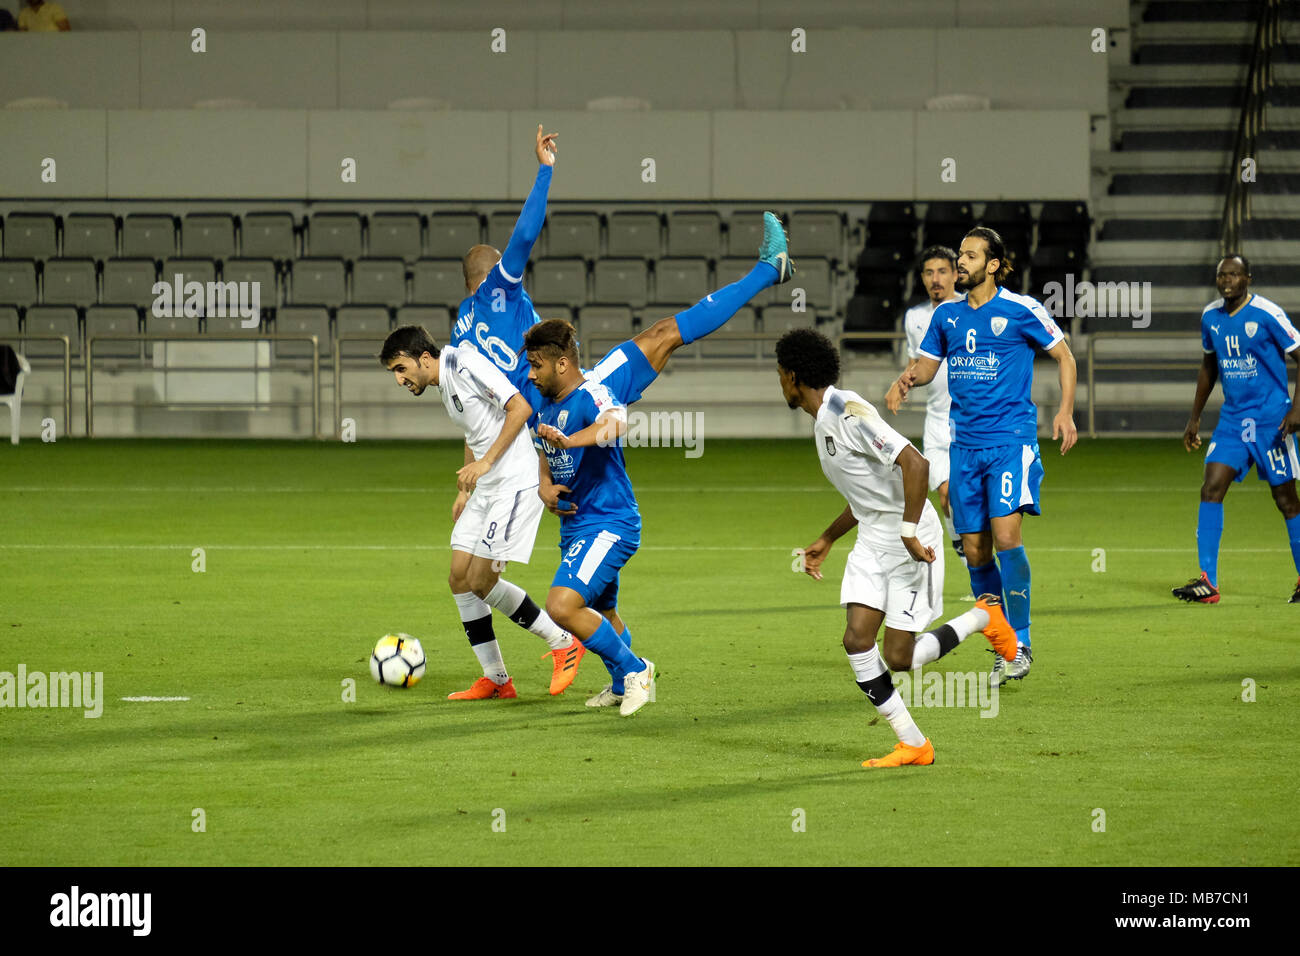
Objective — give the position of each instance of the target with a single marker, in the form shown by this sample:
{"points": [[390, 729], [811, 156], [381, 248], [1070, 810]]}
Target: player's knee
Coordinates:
{"points": [[1213, 491], [1006, 541], [855, 641], [898, 658], [458, 582], [559, 610], [1287, 502]]}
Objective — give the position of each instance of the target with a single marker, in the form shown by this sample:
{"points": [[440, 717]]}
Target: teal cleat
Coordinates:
{"points": [[775, 248]]}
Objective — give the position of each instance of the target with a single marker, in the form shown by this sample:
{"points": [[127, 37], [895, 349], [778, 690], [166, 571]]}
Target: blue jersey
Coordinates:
{"points": [[1250, 346], [989, 352], [596, 477], [494, 320]]}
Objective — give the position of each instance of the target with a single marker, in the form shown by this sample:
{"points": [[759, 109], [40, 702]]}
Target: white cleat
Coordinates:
{"points": [[1017, 669], [606, 698], [638, 689]]}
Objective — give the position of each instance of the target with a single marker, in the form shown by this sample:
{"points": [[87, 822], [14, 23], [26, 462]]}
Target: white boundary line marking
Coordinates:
{"points": [[650, 547], [676, 489]]}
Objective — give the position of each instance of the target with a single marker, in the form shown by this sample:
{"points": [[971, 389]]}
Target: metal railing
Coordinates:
{"points": [[1129, 366], [17, 340], [206, 406]]}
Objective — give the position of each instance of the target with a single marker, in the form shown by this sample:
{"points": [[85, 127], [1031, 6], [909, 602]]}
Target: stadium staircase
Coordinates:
{"points": [[1176, 115]]}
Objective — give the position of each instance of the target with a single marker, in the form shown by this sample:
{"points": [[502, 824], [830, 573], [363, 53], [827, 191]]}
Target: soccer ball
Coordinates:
{"points": [[398, 661]]}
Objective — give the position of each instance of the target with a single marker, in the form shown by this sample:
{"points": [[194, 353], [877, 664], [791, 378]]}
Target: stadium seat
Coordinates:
{"points": [[681, 280], [318, 282], [815, 278], [90, 234], [603, 326], [551, 310], [452, 233], [635, 234], [70, 282], [29, 235], [52, 320], [395, 235], [694, 234], [880, 272], [945, 223], [9, 325], [500, 225], [334, 234], [261, 271], [816, 233], [190, 270], [745, 234], [379, 282], [114, 320], [167, 325], [560, 280], [267, 235], [208, 235], [303, 320], [745, 320], [1065, 224], [438, 282], [435, 318], [891, 225], [374, 321], [573, 234], [129, 282], [18, 282], [148, 236], [779, 319], [620, 282], [230, 325], [733, 268], [871, 313], [1012, 221]]}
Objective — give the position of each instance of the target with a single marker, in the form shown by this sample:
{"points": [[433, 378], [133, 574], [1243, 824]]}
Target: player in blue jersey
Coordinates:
{"points": [[1246, 339], [499, 311], [581, 462], [988, 341]]}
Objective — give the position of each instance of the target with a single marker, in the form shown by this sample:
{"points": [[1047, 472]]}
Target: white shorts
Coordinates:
{"points": [[910, 592], [501, 525], [937, 441]]}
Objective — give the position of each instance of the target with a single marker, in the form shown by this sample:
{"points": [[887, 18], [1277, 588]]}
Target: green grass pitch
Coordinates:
{"points": [[314, 550]]}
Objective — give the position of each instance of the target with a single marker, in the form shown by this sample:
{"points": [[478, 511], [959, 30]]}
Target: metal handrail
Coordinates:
{"points": [[209, 337], [1093, 365], [67, 370]]}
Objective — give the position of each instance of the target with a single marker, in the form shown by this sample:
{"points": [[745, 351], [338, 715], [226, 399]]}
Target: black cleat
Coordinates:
{"points": [[1201, 591], [1295, 598]]}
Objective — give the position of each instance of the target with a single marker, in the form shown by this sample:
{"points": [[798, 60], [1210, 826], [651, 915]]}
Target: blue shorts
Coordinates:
{"points": [[1273, 454], [590, 562], [992, 483], [625, 371]]}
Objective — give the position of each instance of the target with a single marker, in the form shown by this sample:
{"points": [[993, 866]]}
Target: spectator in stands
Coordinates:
{"points": [[41, 17], [7, 21]]}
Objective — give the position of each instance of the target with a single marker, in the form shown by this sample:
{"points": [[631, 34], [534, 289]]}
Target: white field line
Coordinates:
{"points": [[430, 489]]}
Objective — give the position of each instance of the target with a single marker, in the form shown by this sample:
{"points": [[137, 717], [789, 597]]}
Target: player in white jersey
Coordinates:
{"points": [[894, 574], [498, 523], [938, 265]]}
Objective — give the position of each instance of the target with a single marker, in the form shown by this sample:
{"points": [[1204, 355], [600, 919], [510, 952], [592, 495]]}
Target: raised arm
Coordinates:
{"points": [[529, 225]]}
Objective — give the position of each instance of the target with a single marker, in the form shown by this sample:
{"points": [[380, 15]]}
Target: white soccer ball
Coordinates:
{"points": [[398, 661]]}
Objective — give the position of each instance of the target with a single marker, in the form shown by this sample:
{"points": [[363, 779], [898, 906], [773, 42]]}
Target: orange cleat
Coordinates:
{"points": [[999, 632], [565, 667], [902, 754], [485, 688]]}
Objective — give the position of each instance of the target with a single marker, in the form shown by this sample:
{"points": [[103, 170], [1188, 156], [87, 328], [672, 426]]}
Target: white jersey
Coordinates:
{"points": [[916, 322], [858, 451], [475, 392]]}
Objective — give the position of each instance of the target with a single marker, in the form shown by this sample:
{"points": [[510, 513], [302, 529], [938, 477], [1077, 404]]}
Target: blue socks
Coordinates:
{"points": [[711, 313], [1015, 584], [616, 679], [985, 579], [1293, 532], [1209, 529], [618, 657]]}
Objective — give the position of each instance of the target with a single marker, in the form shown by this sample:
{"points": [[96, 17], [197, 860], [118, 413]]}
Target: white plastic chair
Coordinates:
{"points": [[15, 401]]}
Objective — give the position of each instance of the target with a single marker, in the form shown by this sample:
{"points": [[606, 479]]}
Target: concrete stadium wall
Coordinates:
{"points": [[845, 68], [285, 154]]}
